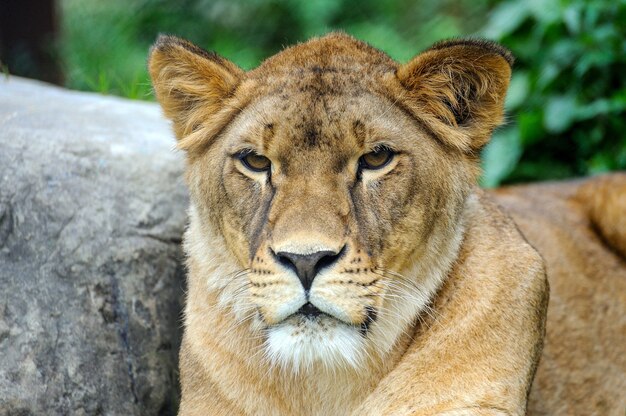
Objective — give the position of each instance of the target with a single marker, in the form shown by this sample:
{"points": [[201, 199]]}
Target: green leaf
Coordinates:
{"points": [[530, 127], [600, 163], [572, 18], [559, 113], [545, 11], [505, 19], [518, 90], [500, 156]]}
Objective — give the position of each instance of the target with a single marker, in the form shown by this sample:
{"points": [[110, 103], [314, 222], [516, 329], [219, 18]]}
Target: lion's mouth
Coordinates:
{"points": [[309, 314], [309, 310]]}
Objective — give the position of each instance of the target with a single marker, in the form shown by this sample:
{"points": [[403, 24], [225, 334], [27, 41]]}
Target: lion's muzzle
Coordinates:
{"points": [[307, 266]]}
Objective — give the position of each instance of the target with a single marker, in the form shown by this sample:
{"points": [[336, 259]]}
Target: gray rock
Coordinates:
{"points": [[92, 208]]}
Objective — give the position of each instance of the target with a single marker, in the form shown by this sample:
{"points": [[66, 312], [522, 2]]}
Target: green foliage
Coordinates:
{"points": [[105, 43], [567, 99]]}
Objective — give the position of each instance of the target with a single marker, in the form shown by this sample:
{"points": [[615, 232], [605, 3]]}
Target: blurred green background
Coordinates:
{"points": [[565, 107]]}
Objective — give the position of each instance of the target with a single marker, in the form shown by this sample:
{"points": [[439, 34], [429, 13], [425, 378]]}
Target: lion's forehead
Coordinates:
{"points": [[297, 121], [318, 83]]}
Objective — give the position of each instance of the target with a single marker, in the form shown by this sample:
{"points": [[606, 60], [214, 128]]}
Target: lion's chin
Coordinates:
{"points": [[303, 343]]}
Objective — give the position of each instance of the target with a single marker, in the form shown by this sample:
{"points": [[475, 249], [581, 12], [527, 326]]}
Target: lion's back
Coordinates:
{"points": [[578, 227]]}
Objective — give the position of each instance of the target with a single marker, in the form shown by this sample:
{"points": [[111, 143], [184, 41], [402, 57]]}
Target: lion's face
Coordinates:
{"points": [[321, 232], [341, 208]]}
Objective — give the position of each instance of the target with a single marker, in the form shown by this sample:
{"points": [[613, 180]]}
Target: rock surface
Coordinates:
{"points": [[92, 208]]}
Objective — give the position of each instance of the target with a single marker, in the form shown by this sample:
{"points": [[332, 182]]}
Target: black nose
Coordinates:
{"points": [[307, 266]]}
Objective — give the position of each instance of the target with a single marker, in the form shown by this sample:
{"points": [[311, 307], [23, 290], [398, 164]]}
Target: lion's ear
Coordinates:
{"points": [[457, 88], [190, 83]]}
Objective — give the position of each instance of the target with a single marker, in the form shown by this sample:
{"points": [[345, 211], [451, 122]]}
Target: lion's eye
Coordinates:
{"points": [[377, 159], [255, 162]]}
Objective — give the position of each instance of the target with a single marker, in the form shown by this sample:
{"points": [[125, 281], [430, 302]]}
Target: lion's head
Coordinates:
{"points": [[335, 178]]}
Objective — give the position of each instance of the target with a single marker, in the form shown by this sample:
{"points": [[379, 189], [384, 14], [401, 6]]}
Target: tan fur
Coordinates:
{"points": [[579, 229], [435, 302]]}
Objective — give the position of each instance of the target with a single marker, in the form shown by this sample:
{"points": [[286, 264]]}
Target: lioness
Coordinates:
{"points": [[342, 259]]}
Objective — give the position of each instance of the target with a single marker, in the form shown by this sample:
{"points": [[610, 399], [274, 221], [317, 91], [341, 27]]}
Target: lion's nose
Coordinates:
{"points": [[307, 266]]}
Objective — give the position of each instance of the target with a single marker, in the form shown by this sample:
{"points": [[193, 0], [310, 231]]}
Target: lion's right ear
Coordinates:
{"points": [[190, 83]]}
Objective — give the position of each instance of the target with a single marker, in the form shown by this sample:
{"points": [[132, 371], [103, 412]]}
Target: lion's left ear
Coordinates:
{"points": [[457, 88]]}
